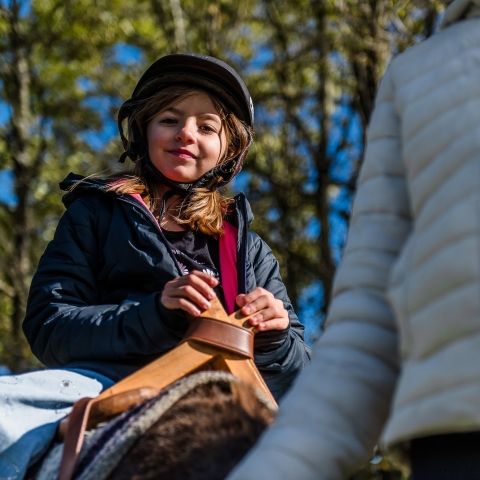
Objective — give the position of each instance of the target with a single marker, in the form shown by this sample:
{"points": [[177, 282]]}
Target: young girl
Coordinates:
{"points": [[137, 254]]}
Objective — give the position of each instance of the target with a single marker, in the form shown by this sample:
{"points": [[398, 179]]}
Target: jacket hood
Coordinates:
{"points": [[460, 10], [77, 185]]}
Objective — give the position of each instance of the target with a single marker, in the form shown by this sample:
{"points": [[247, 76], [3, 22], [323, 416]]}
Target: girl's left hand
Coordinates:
{"points": [[270, 314]]}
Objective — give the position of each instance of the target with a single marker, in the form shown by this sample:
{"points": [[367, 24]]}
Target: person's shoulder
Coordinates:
{"points": [[258, 248], [80, 190], [86, 199], [242, 209], [438, 50], [243, 214]]}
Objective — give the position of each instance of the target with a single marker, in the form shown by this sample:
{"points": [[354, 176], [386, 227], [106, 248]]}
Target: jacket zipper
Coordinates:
{"points": [[242, 245]]}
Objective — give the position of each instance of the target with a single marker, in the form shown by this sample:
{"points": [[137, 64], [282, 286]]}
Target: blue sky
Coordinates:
{"points": [[6, 191]]}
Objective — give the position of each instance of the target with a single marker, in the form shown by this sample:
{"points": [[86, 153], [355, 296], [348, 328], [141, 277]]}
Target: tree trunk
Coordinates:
{"points": [[20, 150]]}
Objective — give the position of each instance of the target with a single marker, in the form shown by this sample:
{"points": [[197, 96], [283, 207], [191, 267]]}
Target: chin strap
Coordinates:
{"points": [[211, 180], [182, 189], [166, 196]]}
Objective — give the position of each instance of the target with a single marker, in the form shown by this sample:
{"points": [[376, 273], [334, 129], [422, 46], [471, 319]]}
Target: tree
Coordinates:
{"points": [[54, 59], [315, 88], [312, 67]]}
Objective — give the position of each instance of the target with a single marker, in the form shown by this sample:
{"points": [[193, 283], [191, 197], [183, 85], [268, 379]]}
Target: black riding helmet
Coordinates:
{"points": [[201, 71]]}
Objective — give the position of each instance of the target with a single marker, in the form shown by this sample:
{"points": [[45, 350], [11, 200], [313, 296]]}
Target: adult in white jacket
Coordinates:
{"points": [[399, 362]]}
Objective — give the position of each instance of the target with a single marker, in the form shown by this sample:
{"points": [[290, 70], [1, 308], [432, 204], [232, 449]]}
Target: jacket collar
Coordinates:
{"points": [[460, 10], [244, 210]]}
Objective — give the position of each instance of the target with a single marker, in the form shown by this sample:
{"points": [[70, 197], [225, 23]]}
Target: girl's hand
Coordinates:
{"points": [[270, 314], [191, 293]]}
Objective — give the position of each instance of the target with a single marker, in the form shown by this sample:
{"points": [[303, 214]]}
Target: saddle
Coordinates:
{"points": [[214, 341]]}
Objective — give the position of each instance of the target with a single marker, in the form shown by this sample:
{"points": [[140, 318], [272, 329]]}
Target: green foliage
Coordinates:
{"points": [[312, 68], [304, 63]]}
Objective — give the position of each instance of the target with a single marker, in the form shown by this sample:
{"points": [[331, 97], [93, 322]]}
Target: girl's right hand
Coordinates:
{"points": [[191, 293]]}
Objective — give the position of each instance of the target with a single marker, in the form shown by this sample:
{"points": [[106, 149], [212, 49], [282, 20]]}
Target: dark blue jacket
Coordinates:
{"points": [[94, 300]]}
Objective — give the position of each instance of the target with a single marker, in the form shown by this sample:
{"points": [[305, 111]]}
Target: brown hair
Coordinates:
{"points": [[203, 209]]}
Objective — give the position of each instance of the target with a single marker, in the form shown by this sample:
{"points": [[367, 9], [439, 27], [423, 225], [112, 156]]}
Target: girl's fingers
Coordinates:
{"points": [[184, 304], [241, 300], [274, 324], [255, 301], [202, 282], [268, 312], [188, 307], [191, 293], [270, 319], [209, 279]]}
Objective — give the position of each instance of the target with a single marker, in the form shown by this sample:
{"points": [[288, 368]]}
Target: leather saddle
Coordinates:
{"points": [[214, 340]]}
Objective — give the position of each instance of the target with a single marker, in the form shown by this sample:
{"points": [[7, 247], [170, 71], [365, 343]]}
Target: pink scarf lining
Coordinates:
{"points": [[228, 265]]}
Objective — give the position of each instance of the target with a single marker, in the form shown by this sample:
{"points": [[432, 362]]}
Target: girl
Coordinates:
{"points": [[136, 254]]}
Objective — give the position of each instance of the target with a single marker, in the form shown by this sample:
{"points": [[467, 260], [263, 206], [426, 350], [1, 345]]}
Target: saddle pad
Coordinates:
{"points": [[105, 446]]}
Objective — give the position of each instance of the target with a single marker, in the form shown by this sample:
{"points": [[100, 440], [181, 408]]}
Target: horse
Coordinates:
{"points": [[198, 428]]}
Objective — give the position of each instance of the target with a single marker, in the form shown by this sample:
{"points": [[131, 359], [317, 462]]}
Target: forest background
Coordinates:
{"points": [[312, 67]]}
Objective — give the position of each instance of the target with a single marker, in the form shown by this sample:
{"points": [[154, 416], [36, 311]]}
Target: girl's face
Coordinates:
{"points": [[186, 139]]}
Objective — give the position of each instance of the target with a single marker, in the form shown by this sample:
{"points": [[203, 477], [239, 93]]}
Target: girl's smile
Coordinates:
{"points": [[182, 153]]}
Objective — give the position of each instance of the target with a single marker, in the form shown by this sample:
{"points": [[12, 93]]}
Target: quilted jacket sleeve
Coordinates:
{"points": [[279, 355], [65, 322], [331, 419]]}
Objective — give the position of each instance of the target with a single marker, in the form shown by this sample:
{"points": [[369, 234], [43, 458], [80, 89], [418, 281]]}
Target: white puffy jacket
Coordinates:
{"points": [[400, 357]]}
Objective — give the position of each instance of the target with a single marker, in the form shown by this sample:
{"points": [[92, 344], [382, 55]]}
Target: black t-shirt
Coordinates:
{"points": [[196, 251]]}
